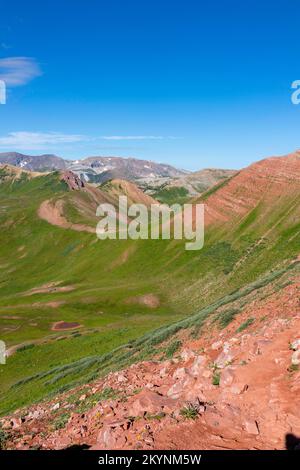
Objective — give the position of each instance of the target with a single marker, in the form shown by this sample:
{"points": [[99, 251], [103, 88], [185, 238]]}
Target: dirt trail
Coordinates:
{"points": [[52, 212], [178, 403]]}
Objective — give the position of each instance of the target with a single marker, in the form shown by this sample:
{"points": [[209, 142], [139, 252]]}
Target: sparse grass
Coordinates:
{"points": [[171, 195], [189, 412], [25, 347], [245, 325], [4, 436], [226, 317], [216, 378], [92, 400], [155, 417], [61, 421], [293, 368], [191, 286], [172, 348]]}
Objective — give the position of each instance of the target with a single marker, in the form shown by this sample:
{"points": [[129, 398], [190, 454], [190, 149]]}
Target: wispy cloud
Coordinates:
{"points": [[24, 140], [17, 71], [132, 137], [38, 140]]}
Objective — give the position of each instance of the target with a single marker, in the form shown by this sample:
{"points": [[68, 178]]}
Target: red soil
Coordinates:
{"points": [[63, 325], [266, 180], [255, 405]]}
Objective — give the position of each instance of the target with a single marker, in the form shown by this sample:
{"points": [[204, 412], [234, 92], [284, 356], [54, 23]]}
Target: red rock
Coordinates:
{"points": [[187, 354], [180, 373], [106, 438], [251, 427], [150, 402], [224, 359], [198, 365], [121, 378], [72, 180], [227, 377], [296, 358], [239, 388], [180, 387], [217, 345], [295, 344], [15, 423]]}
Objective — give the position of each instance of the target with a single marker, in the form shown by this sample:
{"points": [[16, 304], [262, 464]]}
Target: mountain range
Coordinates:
{"points": [[161, 180]]}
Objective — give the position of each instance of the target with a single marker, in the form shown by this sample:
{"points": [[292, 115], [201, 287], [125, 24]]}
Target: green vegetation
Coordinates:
{"points": [[87, 402], [172, 195], [172, 348], [245, 325], [189, 412], [293, 368], [157, 417], [227, 316], [4, 436], [216, 378], [49, 274], [61, 421]]}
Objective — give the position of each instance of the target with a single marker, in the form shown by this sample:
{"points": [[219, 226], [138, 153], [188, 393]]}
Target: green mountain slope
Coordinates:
{"points": [[115, 291]]}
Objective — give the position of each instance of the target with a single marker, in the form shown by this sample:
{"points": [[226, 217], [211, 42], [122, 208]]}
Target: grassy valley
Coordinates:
{"points": [[116, 292]]}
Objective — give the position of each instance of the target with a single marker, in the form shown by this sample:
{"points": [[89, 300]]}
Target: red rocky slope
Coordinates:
{"points": [[255, 405]]}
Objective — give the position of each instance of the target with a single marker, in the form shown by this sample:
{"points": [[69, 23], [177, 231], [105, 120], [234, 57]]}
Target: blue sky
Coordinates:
{"points": [[184, 82]]}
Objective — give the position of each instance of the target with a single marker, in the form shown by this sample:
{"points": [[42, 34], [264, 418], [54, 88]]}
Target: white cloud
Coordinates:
{"points": [[23, 140], [16, 71], [132, 137], [38, 140]]}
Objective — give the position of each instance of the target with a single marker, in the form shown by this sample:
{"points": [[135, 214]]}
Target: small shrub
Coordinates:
{"points": [[61, 421], [216, 379], [293, 368], [189, 412], [3, 438], [157, 417]]}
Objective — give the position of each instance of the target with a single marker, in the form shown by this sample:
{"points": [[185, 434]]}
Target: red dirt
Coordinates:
{"points": [[254, 363], [52, 212], [63, 325], [49, 288], [148, 300], [267, 180]]}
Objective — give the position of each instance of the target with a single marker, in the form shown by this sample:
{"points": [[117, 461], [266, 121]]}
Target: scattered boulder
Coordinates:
{"points": [[224, 359], [227, 377], [150, 402], [295, 344], [217, 345], [251, 427], [121, 378], [239, 388], [187, 354], [296, 358], [198, 365], [180, 373]]}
